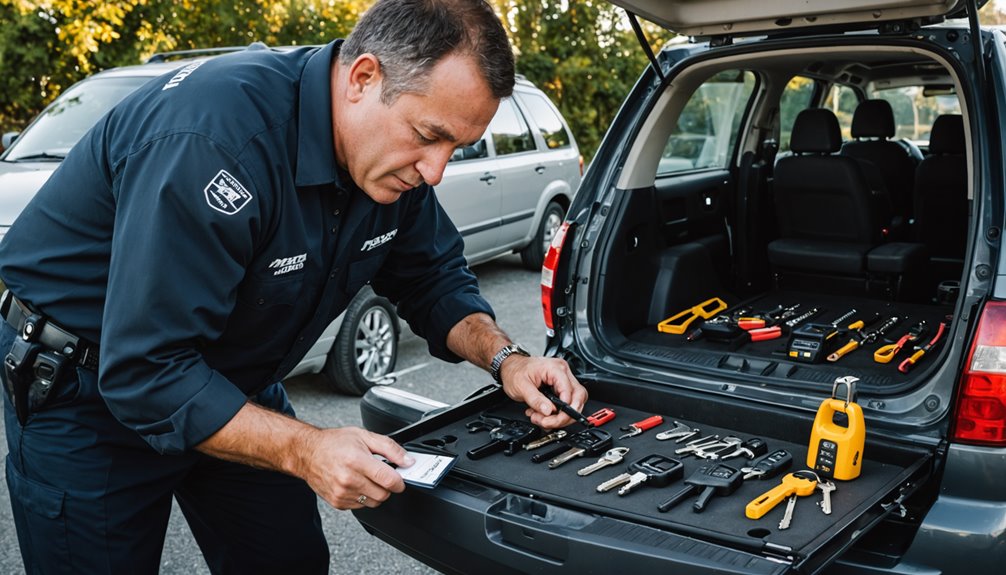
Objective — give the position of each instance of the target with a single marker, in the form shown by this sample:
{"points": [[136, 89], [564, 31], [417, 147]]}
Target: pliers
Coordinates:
{"points": [[910, 361], [885, 354]]}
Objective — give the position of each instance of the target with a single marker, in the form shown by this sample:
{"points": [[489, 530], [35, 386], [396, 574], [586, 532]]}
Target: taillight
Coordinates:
{"points": [[548, 269], [981, 403]]}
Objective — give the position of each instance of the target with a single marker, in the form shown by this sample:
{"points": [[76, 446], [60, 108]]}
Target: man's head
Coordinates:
{"points": [[416, 79]]}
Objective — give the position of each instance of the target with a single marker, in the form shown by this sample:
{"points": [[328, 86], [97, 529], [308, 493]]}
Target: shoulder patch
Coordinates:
{"points": [[225, 194]]}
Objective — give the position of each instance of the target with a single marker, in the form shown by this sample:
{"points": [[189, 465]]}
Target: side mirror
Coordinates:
{"points": [[8, 139]]}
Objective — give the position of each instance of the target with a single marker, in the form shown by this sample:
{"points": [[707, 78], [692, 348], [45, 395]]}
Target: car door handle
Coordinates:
{"points": [[540, 169], [487, 178]]}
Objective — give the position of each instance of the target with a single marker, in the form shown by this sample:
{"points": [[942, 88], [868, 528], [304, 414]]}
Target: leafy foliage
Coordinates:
{"points": [[582, 53]]}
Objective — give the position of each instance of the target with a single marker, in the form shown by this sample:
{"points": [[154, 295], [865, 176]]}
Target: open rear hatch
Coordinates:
{"points": [[522, 514]]}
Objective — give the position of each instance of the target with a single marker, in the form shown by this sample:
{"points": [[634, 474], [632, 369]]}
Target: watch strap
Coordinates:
{"points": [[501, 355]]}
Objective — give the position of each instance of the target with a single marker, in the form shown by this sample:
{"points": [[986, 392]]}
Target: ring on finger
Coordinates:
{"points": [[362, 500]]}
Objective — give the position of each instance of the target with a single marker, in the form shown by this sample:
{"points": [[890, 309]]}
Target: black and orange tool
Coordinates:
{"points": [[885, 354], [678, 323], [911, 360], [860, 338]]}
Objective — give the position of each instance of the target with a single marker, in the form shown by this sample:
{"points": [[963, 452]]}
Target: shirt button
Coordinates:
{"points": [[336, 212], [301, 338], [261, 301], [335, 229]]}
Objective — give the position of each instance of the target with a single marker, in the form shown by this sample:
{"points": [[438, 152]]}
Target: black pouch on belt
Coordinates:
{"points": [[19, 367]]}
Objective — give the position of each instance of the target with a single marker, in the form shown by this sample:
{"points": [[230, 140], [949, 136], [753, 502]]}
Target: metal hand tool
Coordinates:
{"points": [[641, 426]]}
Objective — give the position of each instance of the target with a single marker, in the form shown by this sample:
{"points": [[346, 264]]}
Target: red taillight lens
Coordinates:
{"points": [[548, 274], [981, 405]]}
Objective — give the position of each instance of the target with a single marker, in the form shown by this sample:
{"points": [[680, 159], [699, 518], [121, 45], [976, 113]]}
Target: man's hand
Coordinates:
{"points": [[338, 464], [477, 338], [340, 467]]}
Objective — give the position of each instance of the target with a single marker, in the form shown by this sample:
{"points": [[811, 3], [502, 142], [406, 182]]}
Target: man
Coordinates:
{"points": [[153, 310]]}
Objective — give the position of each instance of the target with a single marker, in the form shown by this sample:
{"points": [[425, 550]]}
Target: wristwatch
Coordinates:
{"points": [[501, 355]]}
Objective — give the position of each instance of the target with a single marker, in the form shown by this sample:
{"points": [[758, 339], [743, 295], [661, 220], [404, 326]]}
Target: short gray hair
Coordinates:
{"points": [[409, 37]]}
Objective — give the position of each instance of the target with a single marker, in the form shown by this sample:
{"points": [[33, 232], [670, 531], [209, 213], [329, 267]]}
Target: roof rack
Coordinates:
{"points": [[164, 56]]}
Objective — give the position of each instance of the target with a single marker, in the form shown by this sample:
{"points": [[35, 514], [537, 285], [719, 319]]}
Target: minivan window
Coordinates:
{"points": [[916, 108], [549, 124], [510, 132], [842, 100], [707, 129], [795, 98]]}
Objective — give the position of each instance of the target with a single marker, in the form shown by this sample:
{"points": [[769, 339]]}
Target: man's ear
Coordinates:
{"points": [[364, 75]]}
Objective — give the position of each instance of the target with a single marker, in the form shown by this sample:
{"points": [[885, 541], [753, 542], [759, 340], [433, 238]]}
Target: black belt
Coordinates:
{"points": [[48, 333]]}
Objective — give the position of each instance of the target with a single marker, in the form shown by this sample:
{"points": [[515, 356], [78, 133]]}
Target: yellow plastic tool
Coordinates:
{"points": [[679, 323], [836, 451], [791, 484]]}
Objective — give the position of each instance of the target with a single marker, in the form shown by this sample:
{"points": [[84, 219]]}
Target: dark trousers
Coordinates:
{"points": [[89, 496]]}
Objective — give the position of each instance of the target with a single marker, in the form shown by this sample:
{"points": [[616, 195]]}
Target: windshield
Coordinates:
{"points": [[72, 114]]}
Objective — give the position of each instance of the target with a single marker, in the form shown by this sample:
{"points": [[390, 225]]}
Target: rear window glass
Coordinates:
{"points": [[795, 98], [707, 129], [916, 108], [549, 124], [509, 130]]}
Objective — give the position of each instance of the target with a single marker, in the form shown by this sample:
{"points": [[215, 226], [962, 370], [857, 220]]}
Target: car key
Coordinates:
{"points": [[769, 465], [791, 483], [754, 447], [507, 438], [547, 439], [590, 441], [610, 457], [708, 480], [655, 470], [826, 487], [787, 516]]}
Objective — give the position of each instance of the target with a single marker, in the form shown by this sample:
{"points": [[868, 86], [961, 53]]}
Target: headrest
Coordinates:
{"points": [[947, 135], [873, 119], [815, 131]]}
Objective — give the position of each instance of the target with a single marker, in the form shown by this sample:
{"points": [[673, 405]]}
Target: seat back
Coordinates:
{"points": [[820, 195], [872, 128], [941, 191]]}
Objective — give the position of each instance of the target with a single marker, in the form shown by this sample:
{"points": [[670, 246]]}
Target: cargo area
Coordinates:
{"points": [[890, 472]]}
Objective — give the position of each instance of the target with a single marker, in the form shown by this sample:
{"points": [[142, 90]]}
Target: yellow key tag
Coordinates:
{"points": [[836, 451]]}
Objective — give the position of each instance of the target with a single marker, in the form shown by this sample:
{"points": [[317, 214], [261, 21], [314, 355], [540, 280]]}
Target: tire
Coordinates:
{"points": [[533, 255], [366, 348]]}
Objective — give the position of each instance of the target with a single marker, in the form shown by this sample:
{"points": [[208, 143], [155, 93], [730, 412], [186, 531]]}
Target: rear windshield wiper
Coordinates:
{"points": [[43, 156]]}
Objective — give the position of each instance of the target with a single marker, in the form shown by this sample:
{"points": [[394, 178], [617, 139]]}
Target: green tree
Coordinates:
{"points": [[583, 54]]}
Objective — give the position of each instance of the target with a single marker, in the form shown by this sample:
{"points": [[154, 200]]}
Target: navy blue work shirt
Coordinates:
{"points": [[202, 233]]}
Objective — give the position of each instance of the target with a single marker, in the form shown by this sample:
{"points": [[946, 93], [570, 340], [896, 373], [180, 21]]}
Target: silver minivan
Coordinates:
{"points": [[507, 193]]}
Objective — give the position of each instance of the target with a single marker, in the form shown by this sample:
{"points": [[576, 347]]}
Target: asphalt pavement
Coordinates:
{"points": [[514, 293]]}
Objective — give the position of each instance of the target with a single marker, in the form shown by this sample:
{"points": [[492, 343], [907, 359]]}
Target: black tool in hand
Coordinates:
{"points": [[566, 408]]}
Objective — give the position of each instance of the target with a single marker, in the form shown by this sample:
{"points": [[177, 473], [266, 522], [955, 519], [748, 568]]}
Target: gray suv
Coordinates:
{"points": [[507, 193], [785, 258]]}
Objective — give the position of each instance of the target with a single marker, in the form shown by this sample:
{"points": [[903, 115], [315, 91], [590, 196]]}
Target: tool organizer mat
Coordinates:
{"points": [[723, 515], [768, 359]]}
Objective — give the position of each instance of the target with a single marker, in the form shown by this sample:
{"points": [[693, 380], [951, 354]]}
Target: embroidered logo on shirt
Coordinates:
{"points": [[182, 74], [287, 265], [378, 241], [226, 194]]}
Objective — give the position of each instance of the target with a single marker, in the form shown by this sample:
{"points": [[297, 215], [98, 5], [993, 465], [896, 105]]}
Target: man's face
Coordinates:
{"points": [[388, 150]]}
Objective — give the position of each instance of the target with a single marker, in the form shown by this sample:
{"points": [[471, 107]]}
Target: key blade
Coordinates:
{"points": [[613, 482], [563, 458]]}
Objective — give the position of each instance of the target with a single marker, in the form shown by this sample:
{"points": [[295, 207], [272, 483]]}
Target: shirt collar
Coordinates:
{"points": [[315, 149]]}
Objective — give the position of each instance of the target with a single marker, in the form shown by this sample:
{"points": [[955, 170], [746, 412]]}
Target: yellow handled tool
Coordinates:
{"points": [[885, 354], [679, 323]]}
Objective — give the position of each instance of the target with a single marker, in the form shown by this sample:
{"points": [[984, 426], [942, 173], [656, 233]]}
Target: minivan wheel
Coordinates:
{"points": [[534, 254], [366, 348]]}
